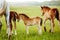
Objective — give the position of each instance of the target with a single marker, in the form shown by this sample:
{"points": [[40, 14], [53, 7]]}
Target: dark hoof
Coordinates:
{"points": [[45, 29], [9, 37], [50, 30]]}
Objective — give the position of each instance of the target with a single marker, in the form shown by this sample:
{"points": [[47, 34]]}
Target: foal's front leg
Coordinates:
{"points": [[27, 29], [11, 28], [15, 27], [39, 29]]}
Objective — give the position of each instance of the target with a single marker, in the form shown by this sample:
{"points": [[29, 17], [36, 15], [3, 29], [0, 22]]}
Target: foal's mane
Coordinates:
{"points": [[46, 7], [24, 15]]}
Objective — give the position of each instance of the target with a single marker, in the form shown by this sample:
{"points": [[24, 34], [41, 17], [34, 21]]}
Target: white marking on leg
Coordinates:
{"points": [[27, 29], [39, 29], [15, 32]]}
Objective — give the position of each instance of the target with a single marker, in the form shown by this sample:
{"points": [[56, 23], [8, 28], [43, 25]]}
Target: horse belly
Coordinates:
{"points": [[31, 23]]}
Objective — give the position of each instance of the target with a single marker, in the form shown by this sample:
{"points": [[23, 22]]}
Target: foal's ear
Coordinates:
{"points": [[41, 7]]}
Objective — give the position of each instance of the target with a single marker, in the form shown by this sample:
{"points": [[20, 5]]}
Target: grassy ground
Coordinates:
{"points": [[31, 11]]}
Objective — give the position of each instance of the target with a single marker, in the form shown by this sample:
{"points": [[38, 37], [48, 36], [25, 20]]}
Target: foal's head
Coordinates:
{"points": [[14, 15], [44, 9], [17, 16], [23, 16]]}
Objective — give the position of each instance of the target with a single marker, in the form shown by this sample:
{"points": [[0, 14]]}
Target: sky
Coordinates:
{"points": [[26, 0]]}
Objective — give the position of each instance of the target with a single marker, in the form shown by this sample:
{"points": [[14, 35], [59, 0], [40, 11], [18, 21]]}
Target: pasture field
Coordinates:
{"points": [[31, 11]]}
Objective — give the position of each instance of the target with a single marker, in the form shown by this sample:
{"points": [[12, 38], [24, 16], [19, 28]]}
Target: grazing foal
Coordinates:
{"points": [[31, 21], [51, 14], [13, 17]]}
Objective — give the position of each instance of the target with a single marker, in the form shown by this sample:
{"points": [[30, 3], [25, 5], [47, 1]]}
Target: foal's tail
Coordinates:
{"points": [[41, 22], [57, 14]]}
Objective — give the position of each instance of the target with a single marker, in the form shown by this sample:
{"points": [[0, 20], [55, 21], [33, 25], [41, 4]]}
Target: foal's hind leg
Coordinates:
{"points": [[52, 26]]}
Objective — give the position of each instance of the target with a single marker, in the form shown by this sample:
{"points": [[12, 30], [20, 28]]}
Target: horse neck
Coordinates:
{"points": [[47, 9], [24, 18]]}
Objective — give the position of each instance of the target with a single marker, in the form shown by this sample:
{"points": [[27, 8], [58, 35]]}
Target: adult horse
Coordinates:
{"points": [[51, 14], [13, 17], [31, 21], [4, 10]]}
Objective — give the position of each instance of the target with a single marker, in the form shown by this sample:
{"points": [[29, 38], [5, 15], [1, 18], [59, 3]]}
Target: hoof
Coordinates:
{"points": [[9, 36], [15, 33], [27, 33], [40, 33], [50, 30]]}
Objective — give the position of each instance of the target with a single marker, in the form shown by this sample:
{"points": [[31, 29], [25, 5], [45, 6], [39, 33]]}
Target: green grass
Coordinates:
{"points": [[31, 11]]}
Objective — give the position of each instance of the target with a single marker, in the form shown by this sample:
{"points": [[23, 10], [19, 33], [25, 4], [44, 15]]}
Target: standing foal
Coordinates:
{"points": [[51, 14], [31, 21], [13, 17]]}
